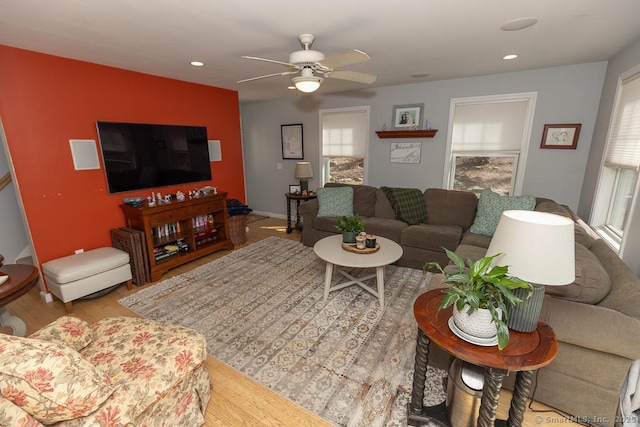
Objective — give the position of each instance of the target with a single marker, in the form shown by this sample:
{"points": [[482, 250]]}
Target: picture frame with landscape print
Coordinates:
{"points": [[561, 136], [407, 116]]}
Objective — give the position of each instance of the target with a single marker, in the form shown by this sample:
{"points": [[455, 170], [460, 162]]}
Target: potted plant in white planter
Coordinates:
{"points": [[350, 227], [479, 286]]}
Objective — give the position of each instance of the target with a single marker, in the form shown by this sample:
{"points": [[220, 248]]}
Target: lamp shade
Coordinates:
{"points": [[538, 247], [303, 171]]}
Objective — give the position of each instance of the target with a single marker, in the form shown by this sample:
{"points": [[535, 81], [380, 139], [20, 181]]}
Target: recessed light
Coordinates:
{"points": [[519, 24], [291, 87], [420, 76], [511, 56], [197, 63]]}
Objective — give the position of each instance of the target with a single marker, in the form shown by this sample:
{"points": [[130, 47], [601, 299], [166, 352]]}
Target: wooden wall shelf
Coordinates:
{"points": [[421, 133]]}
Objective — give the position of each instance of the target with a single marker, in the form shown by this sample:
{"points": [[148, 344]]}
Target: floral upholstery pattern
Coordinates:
{"points": [[49, 381], [68, 331], [156, 370]]}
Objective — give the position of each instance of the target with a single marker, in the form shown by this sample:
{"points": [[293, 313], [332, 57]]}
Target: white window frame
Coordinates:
{"points": [[607, 184], [518, 179], [323, 167]]}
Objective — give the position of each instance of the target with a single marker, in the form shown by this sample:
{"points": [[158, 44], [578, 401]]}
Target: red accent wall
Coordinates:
{"points": [[46, 100]]}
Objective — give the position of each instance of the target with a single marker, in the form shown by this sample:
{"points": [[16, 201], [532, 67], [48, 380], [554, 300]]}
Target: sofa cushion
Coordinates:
{"points": [[478, 240], [408, 204], [383, 208], [364, 197], [433, 237], [450, 207], [68, 331], [592, 282], [389, 228], [50, 382], [335, 201], [490, 208], [326, 223]]}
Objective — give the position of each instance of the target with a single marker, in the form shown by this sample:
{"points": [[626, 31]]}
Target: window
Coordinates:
{"points": [[489, 141], [619, 172], [344, 144]]}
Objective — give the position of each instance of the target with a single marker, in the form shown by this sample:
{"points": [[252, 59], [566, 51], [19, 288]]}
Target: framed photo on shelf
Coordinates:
{"points": [[292, 144], [294, 189], [405, 152], [407, 116], [560, 136]]}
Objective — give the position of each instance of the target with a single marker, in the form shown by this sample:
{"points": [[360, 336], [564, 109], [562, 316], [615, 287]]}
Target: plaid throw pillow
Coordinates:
{"points": [[408, 204]]}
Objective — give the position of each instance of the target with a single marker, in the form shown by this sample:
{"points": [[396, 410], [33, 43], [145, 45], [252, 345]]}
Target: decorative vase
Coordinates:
{"points": [[478, 324], [349, 236]]}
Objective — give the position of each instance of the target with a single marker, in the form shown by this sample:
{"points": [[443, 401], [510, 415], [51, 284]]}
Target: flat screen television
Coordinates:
{"points": [[145, 156]]}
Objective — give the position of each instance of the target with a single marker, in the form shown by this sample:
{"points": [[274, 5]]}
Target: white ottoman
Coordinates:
{"points": [[79, 275]]}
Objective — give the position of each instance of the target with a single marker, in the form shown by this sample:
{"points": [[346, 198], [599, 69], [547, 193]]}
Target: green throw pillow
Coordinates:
{"points": [[408, 204], [335, 201], [490, 208]]}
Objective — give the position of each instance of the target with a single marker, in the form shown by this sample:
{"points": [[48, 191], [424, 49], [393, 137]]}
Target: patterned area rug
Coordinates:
{"points": [[261, 311]]}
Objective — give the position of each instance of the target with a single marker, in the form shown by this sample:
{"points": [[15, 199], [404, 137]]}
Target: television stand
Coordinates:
{"points": [[179, 232]]}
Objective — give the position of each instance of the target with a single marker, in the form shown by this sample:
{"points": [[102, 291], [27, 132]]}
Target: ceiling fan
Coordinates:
{"points": [[313, 67]]}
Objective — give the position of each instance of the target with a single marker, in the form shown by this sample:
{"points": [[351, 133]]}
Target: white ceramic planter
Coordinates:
{"points": [[477, 324]]}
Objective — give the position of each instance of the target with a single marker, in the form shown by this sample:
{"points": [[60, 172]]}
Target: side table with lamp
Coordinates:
{"points": [[303, 172], [537, 247]]}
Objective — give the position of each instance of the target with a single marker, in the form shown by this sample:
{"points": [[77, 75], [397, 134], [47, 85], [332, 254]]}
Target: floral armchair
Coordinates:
{"points": [[120, 371]]}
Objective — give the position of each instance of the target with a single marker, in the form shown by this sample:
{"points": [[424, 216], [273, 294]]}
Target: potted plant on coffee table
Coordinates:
{"points": [[350, 226], [480, 291]]}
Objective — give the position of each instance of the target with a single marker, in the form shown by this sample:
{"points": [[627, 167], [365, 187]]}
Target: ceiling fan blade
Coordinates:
{"points": [[284, 73], [354, 56], [273, 61], [354, 76]]}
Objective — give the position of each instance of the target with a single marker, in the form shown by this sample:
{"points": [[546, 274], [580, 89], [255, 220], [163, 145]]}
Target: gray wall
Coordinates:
{"points": [[565, 95], [14, 243], [620, 63]]}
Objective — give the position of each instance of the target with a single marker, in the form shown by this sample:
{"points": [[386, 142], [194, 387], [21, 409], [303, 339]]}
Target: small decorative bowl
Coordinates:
{"points": [[134, 201]]}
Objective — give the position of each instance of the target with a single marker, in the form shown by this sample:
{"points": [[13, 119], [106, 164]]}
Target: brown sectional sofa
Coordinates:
{"points": [[596, 319]]}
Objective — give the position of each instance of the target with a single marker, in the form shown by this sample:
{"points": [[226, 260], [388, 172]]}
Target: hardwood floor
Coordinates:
{"points": [[236, 399]]}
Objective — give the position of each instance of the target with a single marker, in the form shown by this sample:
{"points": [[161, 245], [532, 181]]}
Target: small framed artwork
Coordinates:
{"points": [[405, 152], [292, 144], [408, 116], [294, 189], [560, 136]]}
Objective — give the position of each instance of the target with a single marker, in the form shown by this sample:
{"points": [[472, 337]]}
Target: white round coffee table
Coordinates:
{"points": [[330, 250]]}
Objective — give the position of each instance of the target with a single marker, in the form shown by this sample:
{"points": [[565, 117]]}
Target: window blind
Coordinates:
{"points": [[344, 134], [495, 126], [623, 148]]}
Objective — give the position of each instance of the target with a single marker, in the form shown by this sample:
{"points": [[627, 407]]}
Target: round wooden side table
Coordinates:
{"points": [[525, 353], [21, 279]]}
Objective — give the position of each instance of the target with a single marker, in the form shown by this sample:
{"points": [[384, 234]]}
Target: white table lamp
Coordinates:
{"points": [[304, 173], [539, 248]]}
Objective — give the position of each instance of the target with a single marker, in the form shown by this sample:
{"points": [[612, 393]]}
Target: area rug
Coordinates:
{"points": [[261, 310]]}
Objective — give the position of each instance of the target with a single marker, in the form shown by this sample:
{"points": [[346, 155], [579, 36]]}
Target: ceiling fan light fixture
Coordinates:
{"points": [[307, 82]]}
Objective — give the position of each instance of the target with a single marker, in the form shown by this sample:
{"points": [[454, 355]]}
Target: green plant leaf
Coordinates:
{"points": [[503, 334]]}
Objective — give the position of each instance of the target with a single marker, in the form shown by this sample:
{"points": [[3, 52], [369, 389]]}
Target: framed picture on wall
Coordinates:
{"points": [[405, 152], [292, 144], [407, 116], [560, 136]]}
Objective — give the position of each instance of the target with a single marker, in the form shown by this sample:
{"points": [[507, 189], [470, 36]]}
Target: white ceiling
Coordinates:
{"points": [[443, 38]]}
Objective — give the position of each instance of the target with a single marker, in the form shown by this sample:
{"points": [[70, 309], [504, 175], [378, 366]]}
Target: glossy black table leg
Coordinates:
{"points": [[417, 412], [289, 229]]}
